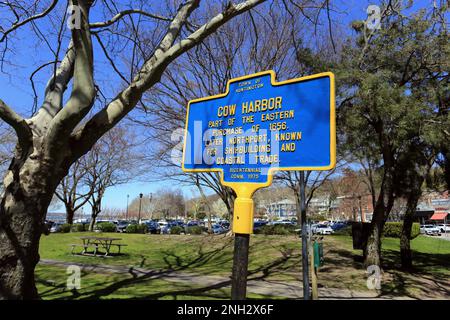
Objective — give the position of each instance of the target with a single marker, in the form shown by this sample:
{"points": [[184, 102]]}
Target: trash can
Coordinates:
{"points": [[318, 254]]}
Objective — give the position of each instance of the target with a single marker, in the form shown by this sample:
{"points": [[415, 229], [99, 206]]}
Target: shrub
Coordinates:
{"points": [[176, 230], [137, 228], [394, 230], [345, 231], [106, 227], [278, 229], [79, 227], [65, 228], [415, 230], [195, 230]]}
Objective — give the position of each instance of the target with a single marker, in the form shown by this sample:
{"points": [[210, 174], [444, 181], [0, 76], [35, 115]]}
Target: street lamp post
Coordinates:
{"points": [[151, 198], [128, 198], [140, 204]]}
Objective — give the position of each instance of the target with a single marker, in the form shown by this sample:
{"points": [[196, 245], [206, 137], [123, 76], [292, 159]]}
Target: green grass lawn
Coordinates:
{"points": [[275, 258], [203, 254]]}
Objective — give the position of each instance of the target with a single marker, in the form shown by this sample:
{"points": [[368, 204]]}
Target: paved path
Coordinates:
{"points": [[291, 290], [445, 236]]}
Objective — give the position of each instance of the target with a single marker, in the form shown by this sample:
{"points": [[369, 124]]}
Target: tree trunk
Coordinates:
{"points": [[92, 223], [19, 246], [94, 215], [405, 237], [29, 187], [412, 199], [298, 211], [96, 209], [372, 250], [70, 213]]}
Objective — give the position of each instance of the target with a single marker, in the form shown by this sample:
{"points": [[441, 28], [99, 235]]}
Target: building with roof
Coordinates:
{"points": [[285, 208]]}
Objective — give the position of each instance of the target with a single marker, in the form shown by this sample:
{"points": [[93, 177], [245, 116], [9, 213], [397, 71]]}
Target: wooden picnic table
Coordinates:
{"points": [[96, 242]]}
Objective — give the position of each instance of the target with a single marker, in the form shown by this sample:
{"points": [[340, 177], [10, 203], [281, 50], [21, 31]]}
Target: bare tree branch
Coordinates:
{"points": [[83, 91], [19, 124], [23, 22], [124, 13], [54, 91], [152, 70]]}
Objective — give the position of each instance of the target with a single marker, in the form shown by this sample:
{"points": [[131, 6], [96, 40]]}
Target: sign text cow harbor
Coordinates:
{"points": [[259, 126]]}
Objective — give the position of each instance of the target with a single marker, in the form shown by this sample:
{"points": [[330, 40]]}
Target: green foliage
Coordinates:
{"points": [[394, 230], [65, 228], [136, 228], [346, 231], [176, 230], [79, 227], [277, 229], [195, 230], [201, 215], [106, 227], [415, 230]]}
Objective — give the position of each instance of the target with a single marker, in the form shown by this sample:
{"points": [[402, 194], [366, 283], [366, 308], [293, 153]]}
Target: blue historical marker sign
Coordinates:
{"points": [[258, 126]]}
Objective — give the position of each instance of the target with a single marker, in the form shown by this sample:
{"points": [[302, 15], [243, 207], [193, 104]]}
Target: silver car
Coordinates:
{"points": [[430, 230]]}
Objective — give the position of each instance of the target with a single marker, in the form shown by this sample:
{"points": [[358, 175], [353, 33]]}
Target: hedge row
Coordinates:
{"points": [[277, 229], [176, 230], [195, 230], [106, 227], [136, 228], [394, 229]]}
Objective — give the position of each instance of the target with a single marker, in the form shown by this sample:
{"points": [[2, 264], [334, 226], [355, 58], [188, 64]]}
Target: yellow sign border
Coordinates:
{"points": [[246, 189]]}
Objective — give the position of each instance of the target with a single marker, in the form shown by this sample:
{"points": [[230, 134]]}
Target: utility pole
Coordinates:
{"points": [[151, 198], [305, 266], [128, 198], [140, 204]]}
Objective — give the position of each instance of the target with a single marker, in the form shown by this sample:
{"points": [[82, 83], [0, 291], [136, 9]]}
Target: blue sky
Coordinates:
{"points": [[15, 88]]}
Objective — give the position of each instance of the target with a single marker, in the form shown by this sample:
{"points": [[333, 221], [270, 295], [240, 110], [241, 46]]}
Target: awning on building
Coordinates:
{"points": [[439, 216]]}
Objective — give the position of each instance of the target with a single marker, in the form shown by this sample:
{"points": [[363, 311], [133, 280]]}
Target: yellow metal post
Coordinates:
{"points": [[243, 215]]}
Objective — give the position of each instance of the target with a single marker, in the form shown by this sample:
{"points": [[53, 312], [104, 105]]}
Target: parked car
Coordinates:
{"points": [[217, 229], [122, 225], [430, 230], [338, 226], [56, 227], [225, 225], [178, 223], [258, 224], [192, 223], [322, 229], [165, 227], [153, 227], [279, 222], [444, 227]]}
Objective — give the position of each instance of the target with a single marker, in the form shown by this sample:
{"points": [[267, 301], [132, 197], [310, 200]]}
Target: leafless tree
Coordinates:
{"points": [[256, 42], [53, 138], [112, 161], [163, 204], [72, 192]]}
